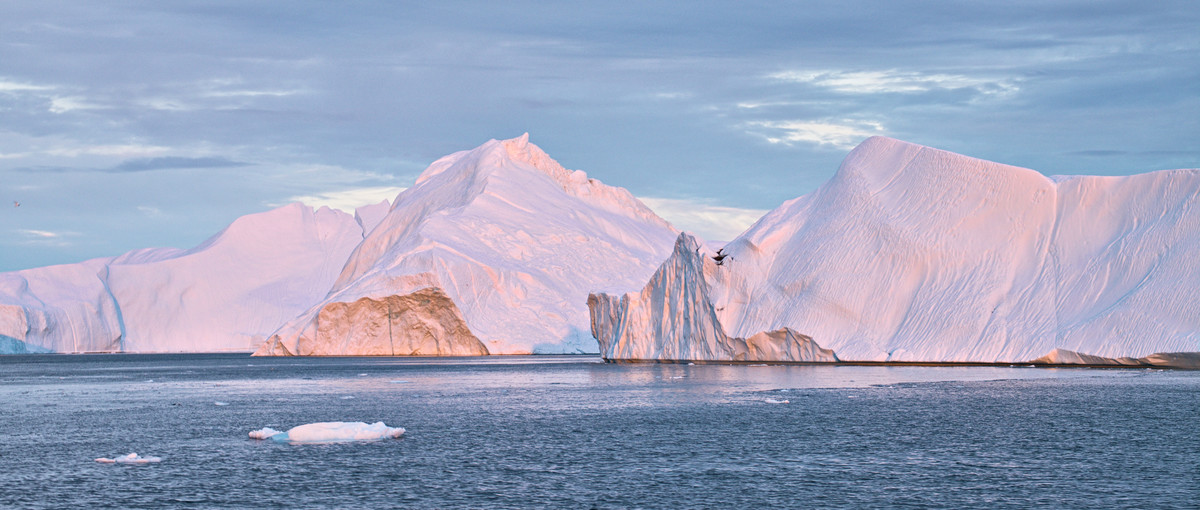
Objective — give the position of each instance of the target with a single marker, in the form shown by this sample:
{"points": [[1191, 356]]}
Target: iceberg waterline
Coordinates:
{"points": [[907, 254]]}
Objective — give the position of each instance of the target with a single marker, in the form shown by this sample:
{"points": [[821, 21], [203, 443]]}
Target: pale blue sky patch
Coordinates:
{"points": [[225, 107]]}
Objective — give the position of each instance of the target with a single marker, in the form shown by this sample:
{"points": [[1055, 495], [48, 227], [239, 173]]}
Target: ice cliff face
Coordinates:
{"points": [[683, 323], [227, 294], [915, 254], [492, 251]]}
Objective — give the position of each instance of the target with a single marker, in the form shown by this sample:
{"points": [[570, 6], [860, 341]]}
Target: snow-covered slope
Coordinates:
{"points": [[226, 294], [916, 254], [492, 251]]}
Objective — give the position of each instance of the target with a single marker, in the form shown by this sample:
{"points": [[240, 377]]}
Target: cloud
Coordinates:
{"points": [[166, 104], [45, 237], [173, 163], [670, 96], [252, 93], [141, 165], [58, 104], [8, 86], [72, 103], [46, 169], [895, 82], [751, 105], [348, 200], [150, 211], [843, 134], [712, 222], [125, 151]]}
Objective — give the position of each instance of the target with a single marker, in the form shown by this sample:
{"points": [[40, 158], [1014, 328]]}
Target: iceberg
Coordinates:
{"points": [[492, 251], [915, 254], [330, 432], [226, 294], [1188, 360], [131, 458]]}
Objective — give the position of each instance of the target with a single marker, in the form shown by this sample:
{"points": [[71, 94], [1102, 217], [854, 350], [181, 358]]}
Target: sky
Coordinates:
{"points": [[126, 125]]}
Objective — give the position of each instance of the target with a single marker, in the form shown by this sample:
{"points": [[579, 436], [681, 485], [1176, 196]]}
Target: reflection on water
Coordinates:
{"points": [[570, 431]]}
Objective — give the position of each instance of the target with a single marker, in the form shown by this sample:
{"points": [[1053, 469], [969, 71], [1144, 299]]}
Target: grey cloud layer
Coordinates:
{"points": [[731, 105]]}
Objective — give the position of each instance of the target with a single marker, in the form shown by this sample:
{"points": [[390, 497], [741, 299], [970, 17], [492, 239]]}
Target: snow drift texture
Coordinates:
{"points": [[492, 251], [227, 294], [916, 254]]}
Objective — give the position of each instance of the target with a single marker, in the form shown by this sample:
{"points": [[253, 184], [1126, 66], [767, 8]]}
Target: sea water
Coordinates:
{"points": [[571, 432]]}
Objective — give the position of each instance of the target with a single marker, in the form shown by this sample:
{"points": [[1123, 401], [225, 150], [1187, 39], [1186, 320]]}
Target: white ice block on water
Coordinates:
{"points": [[131, 458], [330, 432]]}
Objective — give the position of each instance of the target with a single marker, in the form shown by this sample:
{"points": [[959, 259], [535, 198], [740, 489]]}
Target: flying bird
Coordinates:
{"points": [[16, 203], [720, 257]]}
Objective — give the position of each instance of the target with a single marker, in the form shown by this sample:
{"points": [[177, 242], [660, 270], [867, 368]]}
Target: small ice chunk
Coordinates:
{"points": [[331, 432], [132, 458], [347, 397], [218, 403], [267, 433], [775, 401], [399, 381]]}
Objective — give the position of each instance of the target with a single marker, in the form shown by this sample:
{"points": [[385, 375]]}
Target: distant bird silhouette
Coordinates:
{"points": [[720, 257], [16, 203]]}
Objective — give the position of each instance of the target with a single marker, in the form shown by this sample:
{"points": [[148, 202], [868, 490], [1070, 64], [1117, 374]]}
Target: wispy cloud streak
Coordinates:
{"points": [[895, 82], [841, 134]]}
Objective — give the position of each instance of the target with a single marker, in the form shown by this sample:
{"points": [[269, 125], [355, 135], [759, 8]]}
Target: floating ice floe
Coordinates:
{"points": [[220, 403], [330, 432], [132, 458], [776, 401]]}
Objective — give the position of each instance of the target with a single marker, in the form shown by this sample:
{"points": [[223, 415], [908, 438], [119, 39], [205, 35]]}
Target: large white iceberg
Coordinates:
{"points": [[492, 251], [227, 294], [915, 254], [330, 432]]}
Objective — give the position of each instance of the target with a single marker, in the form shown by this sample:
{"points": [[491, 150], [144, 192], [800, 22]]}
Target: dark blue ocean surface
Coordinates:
{"points": [[568, 432]]}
